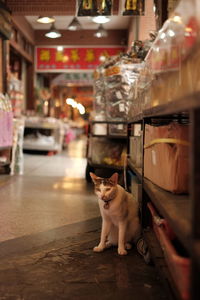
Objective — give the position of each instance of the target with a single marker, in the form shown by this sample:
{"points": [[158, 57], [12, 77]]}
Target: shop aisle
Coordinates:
{"points": [[51, 193], [48, 226]]}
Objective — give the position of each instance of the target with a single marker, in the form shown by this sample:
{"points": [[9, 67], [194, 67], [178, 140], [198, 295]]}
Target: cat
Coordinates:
{"points": [[119, 212]]}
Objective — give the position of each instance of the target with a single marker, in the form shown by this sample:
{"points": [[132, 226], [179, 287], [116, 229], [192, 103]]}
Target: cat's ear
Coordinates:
{"points": [[114, 178], [93, 176]]}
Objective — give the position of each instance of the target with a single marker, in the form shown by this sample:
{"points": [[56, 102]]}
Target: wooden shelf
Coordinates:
{"points": [[137, 118], [43, 125], [4, 164], [119, 137], [178, 106], [5, 148], [108, 122], [136, 170], [184, 104], [176, 210], [40, 147], [157, 257]]}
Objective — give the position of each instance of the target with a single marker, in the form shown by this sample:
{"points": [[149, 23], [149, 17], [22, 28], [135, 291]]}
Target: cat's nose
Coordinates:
{"points": [[103, 197]]}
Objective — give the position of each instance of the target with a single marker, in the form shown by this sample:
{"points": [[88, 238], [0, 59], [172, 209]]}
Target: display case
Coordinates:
{"points": [[174, 256], [106, 147], [43, 134]]}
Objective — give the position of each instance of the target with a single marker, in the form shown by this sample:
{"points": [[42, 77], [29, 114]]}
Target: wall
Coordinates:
{"points": [[133, 32], [84, 37], [147, 22], [141, 25], [21, 23]]}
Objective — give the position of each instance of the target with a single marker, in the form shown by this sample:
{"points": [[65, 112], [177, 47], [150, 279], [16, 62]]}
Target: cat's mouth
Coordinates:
{"points": [[106, 203]]}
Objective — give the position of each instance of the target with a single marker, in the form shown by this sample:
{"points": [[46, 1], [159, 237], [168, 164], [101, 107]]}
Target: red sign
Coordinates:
{"points": [[52, 59]]}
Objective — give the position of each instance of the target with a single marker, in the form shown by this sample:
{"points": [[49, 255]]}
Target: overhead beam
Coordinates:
{"points": [[48, 7], [44, 7]]}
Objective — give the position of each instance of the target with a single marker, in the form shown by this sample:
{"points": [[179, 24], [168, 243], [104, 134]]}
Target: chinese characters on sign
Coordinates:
{"points": [[51, 59]]}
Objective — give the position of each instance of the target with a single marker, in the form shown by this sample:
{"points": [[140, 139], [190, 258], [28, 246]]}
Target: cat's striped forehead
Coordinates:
{"points": [[104, 181]]}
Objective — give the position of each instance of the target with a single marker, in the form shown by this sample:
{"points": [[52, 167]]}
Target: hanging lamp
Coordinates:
{"points": [[101, 19], [101, 32], [74, 25], [45, 20], [53, 33]]}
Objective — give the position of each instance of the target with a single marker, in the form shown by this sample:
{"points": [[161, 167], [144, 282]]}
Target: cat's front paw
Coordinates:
{"points": [[122, 251], [98, 249]]}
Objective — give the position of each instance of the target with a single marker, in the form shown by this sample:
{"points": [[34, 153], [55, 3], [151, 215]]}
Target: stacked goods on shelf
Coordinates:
{"points": [[15, 90], [170, 72], [166, 161], [99, 95], [113, 82], [118, 80], [116, 83], [110, 153], [174, 57], [6, 121]]}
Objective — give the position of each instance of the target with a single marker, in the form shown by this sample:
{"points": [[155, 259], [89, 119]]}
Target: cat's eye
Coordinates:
{"points": [[97, 189], [108, 189]]}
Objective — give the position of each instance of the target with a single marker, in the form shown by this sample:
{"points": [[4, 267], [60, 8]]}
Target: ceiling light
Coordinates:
{"points": [[177, 19], [81, 108], [53, 33], [45, 20], [101, 32], [74, 25], [101, 19], [60, 48]]}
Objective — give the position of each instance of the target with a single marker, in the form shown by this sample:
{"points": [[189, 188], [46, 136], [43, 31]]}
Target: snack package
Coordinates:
{"points": [[118, 82], [99, 95], [140, 90]]}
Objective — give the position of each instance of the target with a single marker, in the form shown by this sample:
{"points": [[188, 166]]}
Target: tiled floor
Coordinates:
{"points": [[51, 193]]}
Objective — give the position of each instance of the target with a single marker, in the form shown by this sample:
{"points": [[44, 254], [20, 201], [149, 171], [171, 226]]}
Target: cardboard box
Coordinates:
{"points": [[136, 150], [166, 156]]}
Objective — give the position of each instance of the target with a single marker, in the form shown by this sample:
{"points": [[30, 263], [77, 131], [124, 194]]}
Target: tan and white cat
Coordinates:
{"points": [[119, 211]]}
